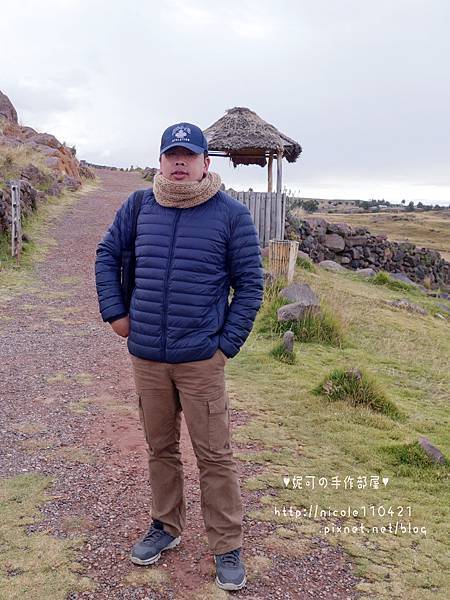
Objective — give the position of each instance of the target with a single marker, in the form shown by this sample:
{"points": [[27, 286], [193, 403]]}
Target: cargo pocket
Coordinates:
{"points": [[219, 423]]}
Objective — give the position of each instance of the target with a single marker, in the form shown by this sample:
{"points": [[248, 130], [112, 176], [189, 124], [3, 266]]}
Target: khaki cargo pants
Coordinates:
{"points": [[198, 389]]}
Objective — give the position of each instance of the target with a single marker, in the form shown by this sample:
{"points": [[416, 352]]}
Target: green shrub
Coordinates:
{"points": [[357, 388], [383, 278], [322, 327], [305, 264], [411, 460], [279, 352]]}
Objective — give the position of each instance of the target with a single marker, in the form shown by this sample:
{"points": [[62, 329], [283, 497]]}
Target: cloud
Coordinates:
{"points": [[361, 86]]}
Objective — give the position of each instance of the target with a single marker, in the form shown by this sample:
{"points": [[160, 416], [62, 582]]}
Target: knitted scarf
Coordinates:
{"points": [[185, 194]]}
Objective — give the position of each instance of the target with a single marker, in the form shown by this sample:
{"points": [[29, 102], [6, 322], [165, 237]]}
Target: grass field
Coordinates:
{"points": [[306, 435], [425, 229]]}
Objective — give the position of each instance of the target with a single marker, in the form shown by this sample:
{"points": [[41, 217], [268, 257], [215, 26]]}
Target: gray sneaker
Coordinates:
{"points": [[148, 550], [230, 570]]}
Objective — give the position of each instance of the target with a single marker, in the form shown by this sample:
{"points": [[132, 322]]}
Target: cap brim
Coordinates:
{"points": [[193, 147]]}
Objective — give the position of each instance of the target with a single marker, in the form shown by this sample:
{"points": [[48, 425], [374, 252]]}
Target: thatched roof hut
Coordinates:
{"points": [[249, 140]]}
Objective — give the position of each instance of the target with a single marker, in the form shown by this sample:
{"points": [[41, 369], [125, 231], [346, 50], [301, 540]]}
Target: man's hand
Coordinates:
{"points": [[122, 326]]}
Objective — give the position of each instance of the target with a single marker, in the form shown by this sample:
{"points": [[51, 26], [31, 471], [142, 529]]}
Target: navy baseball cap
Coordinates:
{"points": [[186, 135]]}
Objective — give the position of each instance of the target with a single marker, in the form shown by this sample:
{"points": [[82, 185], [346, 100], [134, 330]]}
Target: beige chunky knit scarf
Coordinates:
{"points": [[185, 194]]}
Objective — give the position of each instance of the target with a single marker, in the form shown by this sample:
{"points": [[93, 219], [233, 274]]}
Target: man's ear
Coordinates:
{"points": [[206, 166]]}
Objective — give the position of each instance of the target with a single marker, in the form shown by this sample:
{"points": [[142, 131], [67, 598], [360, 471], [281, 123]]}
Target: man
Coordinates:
{"points": [[193, 242]]}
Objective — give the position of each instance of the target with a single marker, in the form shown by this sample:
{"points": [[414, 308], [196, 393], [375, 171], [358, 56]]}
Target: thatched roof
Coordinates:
{"points": [[248, 140]]}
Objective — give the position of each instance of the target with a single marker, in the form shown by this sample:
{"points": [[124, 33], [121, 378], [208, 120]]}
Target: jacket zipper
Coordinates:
{"points": [[177, 216]]}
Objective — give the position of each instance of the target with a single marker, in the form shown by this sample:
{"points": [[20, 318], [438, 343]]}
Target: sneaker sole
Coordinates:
{"points": [[230, 586], [153, 559]]}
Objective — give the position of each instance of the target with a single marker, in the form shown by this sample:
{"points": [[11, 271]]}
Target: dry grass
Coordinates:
{"points": [[14, 159]]}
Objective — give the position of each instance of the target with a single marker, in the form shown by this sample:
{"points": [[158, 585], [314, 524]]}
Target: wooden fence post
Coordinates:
{"points": [[283, 258], [16, 225]]}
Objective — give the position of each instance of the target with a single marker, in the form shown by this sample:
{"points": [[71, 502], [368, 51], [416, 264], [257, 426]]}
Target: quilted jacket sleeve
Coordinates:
{"points": [[108, 261], [245, 265]]}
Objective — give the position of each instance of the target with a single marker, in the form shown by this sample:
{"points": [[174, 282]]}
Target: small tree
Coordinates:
{"points": [[310, 205], [410, 207]]}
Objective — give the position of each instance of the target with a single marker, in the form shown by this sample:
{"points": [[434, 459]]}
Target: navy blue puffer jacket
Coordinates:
{"points": [[186, 261]]}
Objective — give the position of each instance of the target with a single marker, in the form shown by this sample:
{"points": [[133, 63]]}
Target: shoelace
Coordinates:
{"points": [[230, 558], [153, 534]]}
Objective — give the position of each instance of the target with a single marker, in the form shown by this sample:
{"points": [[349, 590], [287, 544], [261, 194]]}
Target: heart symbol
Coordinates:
{"points": [[385, 481], [286, 481]]}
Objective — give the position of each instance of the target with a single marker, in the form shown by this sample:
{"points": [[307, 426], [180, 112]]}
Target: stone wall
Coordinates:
{"points": [[356, 248]]}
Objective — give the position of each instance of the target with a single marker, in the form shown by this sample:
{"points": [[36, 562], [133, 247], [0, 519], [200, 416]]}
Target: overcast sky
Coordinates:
{"points": [[363, 86]]}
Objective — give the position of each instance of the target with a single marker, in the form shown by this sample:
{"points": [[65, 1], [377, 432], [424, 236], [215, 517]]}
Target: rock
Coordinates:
{"points": [[32, 174], [402, 277], [317, 223], [71, 183], [407, 305], [295, 311], [444, 307], [300, 292], [331, 265], [288, 341], [301, 254], [7, 109], [357, 240], [369, 272], [340, 228], [434, 453], [333, 241], [345, 260], [87, 173], [46, 139]]}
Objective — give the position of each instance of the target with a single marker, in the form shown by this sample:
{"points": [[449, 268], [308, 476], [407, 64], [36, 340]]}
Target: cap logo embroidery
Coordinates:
{"points": [[180, 132]]}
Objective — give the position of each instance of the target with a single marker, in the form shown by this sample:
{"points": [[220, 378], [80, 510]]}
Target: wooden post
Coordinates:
{"points": [[269, 173], [16, 224], [279, 171], [283, 258]]}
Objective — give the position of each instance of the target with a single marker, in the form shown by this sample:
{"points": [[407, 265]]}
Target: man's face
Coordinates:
{"points": [[181, 164]]}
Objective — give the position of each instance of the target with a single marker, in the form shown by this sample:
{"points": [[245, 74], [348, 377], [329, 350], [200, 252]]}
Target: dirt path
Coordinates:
{"points": [[69, 411]]}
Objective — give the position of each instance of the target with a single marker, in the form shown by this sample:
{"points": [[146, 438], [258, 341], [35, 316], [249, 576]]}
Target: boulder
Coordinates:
{"points": [[444, 307], [300, 292], [317, 223], [356, 240], [32, 174], [7, 109], [403, 277], [340, 228], [333, 241], [434, 453], [303, 300], [288, 342], [368, 272], [295, 311], [331, 265]]}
